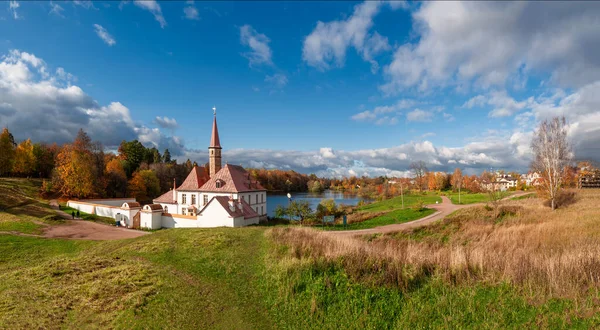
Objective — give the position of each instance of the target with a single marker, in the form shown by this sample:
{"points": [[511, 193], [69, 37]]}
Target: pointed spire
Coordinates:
{"points": [[214, 138]]}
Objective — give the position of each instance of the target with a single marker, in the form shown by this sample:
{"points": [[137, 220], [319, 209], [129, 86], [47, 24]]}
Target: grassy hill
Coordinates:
{"points": [[528, 267]]}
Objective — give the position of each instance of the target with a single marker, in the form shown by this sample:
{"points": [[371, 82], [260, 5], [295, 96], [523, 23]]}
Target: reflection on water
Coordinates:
{"points": [[313, 199]]}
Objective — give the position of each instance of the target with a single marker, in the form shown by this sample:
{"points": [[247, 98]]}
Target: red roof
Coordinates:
{"points": [[166, 198], [232, 179], [214, 138], [246, 210], [197, 177]]}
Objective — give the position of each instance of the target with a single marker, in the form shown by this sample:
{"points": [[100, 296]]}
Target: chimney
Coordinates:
{"points": [[174, 190], [240, 205]]}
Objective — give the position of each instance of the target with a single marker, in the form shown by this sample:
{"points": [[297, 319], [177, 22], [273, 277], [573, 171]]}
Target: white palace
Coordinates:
{"points": [[220, 196]]}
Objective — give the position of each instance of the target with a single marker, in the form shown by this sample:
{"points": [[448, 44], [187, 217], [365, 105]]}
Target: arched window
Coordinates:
{"points": [[218, 183], [166, 209]]}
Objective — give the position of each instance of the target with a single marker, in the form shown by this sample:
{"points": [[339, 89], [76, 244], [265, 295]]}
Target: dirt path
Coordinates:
{"points": [[81, 229], [442, 210]]}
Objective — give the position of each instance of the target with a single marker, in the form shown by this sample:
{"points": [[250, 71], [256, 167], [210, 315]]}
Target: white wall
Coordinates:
{"points": [[105, 210], [112, 201], [151, 220], [214, 216]]}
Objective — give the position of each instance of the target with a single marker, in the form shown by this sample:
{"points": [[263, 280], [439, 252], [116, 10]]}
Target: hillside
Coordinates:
{"points": [[528, 267]]}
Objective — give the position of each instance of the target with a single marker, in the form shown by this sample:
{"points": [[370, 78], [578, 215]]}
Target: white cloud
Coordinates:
{"points": [[502, 104], [377, 112], [326, 45], [28, 90], [104, 35], [493, 43], [166, 122], [419, 115], [12, 7], [87, 4], [259, 44], [277, 80], [448, 117], [153, 7], [56, 9], [191, 12]]}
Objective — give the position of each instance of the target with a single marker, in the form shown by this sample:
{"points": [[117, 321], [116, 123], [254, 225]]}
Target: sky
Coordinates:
{"points": [[333, 88]]}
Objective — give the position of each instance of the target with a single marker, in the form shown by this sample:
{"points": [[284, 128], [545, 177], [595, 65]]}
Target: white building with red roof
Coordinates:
{"points": [[215, 197]]}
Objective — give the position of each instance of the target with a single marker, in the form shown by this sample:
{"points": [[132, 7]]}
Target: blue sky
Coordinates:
{"points": [[336, 88]]}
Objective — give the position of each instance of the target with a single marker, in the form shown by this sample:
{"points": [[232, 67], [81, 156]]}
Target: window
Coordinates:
{"points": [[166, 209], [183, 199], [262, 198], [261, 210], [218, 183], [194, 199], [184, 210], [256, 198], [205, 200]]}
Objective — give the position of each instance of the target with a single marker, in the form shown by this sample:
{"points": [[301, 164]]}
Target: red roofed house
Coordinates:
{"points": [[217, 196]]}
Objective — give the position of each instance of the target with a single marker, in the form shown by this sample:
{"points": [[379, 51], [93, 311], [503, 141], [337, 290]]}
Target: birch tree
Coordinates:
{"points": [[552, 153], [420, 170]]}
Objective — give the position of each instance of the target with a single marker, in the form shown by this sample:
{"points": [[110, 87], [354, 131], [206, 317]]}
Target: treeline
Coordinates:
{"points": [[288, 181], [82, 169]]}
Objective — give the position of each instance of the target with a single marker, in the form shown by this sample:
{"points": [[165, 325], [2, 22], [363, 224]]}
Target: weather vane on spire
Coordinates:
{"points": [[214, 110]]}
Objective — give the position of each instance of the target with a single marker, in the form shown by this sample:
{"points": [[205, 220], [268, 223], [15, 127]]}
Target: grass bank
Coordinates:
{"points": [[472, 198], [87, 216]]}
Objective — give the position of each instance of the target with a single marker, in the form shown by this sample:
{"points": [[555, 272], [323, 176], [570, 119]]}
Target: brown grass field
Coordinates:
{"points": [[544, 254]]}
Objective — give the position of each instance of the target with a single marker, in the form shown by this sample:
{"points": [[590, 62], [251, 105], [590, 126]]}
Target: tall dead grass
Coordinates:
{"points": [[545, 253]]}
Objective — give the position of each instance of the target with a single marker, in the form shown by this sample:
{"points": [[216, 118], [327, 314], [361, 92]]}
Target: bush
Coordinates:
{"points": [[564, 198], [419, 205]]}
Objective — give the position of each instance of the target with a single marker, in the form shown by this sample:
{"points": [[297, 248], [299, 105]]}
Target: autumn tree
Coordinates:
{"points": [[419, 168], [144, 185], [44, 158], [7, 152], [552, 153], [24, 162], [116, 178], [76, 172], [456, 181]]}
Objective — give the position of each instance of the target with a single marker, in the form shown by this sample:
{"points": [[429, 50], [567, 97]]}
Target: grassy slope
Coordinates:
{"points": [[471, 198], [396, 216], [396, 203], [87, 216], [20, 208], [234, 279]]}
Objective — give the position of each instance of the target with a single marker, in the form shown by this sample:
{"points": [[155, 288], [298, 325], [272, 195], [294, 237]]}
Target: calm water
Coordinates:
{"points": [[313, 198]]}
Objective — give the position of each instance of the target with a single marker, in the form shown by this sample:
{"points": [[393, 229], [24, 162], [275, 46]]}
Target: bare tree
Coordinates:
{"points": [[456, 181], [552, 153], [420, 170]]}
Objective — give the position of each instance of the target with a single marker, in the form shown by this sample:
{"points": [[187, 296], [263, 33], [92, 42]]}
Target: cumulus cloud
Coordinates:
{"points": [[260, 52], [166, 122], [28, 90], [491, 43], [419, 115], [327, 44], [153, 7], [492, 151], [104, 35], [380, 112]]}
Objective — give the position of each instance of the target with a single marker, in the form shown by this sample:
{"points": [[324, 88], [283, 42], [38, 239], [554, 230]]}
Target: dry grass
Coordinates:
{"points": [[546, 254]]}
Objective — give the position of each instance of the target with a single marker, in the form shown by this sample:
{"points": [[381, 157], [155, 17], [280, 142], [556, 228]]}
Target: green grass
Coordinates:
{"points": [[21, 210], [234, 279], [522, 197], [396, 202], [393, 217], [471, 198], [87, 216]]}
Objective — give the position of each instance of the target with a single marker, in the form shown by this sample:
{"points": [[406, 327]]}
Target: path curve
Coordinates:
{"points": [[442, 210]]}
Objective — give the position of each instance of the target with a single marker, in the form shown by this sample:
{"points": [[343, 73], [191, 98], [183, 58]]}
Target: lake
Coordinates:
{"points": [[313, 199]]}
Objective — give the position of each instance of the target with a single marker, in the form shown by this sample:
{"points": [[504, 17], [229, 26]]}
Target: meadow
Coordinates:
{"points": [[523, 266]]}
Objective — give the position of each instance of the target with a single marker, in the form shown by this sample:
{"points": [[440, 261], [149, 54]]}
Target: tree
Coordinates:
{"points": [[44, 158], [133, 153], [299, 209], [116, 178], [7, 152], [419, 169], [24, 162], [74, 172], [144, 185], [456, 181], [552, 153], [167, 156]]}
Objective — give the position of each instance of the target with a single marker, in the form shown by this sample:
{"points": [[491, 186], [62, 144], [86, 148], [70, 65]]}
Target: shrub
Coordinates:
{"points": [[419, 205], [564, 198]]}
